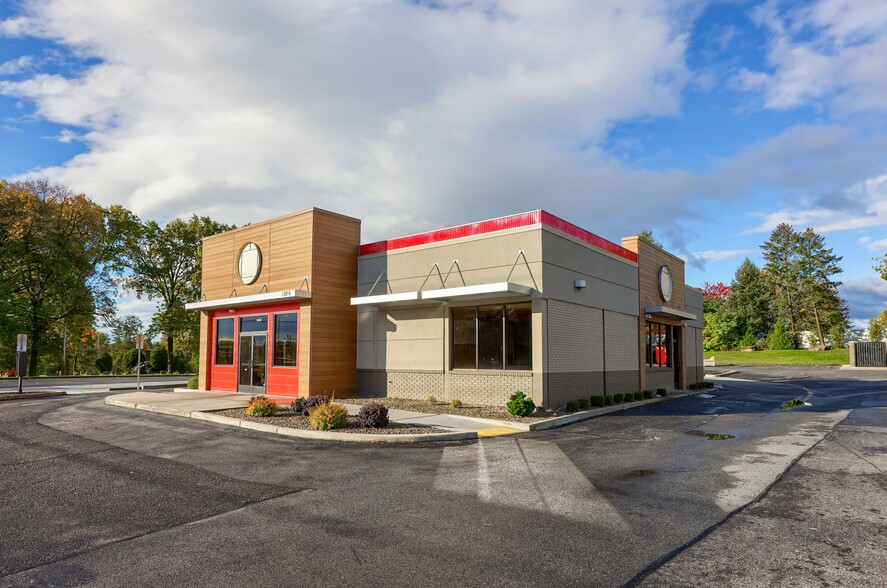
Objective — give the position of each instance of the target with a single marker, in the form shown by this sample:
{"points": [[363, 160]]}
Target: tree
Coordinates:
{"points": [[647, 235], [819, 295], [162, 263], [876, 329], [52, 246], [783, 273], [159, 359], [720, 331], [749, 302]]}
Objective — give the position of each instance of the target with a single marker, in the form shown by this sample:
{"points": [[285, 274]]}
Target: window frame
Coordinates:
{"points": [[273, 330], [503, 307], [661, 330], [233, 341]]}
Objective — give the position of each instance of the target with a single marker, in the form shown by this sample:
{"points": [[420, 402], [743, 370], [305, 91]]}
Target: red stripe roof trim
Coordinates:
{"points": [[524, 219]]}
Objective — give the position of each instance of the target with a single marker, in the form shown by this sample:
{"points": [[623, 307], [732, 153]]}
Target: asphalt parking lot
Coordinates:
{"points": [[103, 496]]}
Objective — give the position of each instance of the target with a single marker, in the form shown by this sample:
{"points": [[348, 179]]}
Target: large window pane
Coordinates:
{"points": [[490, 338], [286, 338], [519, 337], [464, 338], [649, 343], [225, 341]]}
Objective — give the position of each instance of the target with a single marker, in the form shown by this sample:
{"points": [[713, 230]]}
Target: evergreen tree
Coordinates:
{"points": [[647, 235], [782, 269], [819, 298], [749, 302]]}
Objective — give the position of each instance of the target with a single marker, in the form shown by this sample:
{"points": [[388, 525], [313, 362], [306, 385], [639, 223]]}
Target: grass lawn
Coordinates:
{"points": [[791, 357]]}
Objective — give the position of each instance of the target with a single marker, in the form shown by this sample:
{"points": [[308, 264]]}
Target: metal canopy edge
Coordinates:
{"points": [[252, 300]]}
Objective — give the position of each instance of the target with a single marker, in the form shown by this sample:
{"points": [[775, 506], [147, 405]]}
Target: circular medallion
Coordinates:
{"points": [[665, 283], [249, 263]]}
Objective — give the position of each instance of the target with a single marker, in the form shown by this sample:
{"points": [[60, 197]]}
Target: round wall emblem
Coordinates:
{"points": [[665, 283], [249, 263]]}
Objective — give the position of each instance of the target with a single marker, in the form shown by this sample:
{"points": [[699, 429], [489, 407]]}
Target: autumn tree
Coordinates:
{"points": [[52, 246], [162, 263], [721, 329]]}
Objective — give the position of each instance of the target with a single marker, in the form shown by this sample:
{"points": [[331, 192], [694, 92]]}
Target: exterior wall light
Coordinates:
{"points": [[579, 283]]}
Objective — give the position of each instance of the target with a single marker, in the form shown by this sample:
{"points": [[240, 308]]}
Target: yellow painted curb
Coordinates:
{"points": [[497, 431]]}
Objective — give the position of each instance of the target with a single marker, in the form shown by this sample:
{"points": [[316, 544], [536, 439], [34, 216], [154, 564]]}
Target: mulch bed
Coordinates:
{"points": [[286, 418], [483, 412]]}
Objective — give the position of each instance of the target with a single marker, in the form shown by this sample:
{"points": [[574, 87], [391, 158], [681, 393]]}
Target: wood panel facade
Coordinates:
{"points": [[313, 250]]}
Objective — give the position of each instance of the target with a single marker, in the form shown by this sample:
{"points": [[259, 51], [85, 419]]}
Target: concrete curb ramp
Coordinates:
{"points": [[300, 433]]}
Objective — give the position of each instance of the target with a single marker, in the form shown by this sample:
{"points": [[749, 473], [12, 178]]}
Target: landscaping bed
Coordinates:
{"points": [[286, 418], [481, 412]]}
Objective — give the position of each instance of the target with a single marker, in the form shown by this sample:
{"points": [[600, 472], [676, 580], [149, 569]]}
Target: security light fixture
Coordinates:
{"points": [[579, 283]]}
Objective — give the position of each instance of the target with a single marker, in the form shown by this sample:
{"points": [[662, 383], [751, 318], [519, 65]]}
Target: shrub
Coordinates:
{"points": [[707, 384], [617, 398], [373, 415], [431, 400], [261, 406], [456, 403], [648, 394], [597, 400], [572, 406], [694, 386], [325, 417], [159, 359], [192, 383], [638, 395], [304, 404], [520, 404], [583, 403], [104, 363], [779, 338], [662, 392], [628, 397], [608, 400]]}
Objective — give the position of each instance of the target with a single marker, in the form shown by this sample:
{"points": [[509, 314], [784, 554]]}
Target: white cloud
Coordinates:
{"points": [[866, 297], [833, 50], [867, 208], [719, 255], [390, 111], [17, 65], [879, 245]]}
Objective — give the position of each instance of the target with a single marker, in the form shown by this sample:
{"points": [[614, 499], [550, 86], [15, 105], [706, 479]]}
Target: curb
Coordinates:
{"points": [[25, 395], [576, 417], [300, 433]]}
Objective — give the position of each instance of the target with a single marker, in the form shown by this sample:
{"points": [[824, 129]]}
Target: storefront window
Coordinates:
{"points": [[254, 324], [286, 338], [493, 337], [225, 341], [658, 344], [464, 343]]}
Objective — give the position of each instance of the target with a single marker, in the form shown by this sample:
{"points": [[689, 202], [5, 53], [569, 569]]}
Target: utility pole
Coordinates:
{"points": [[21, 347], [140, 342], [65, 347]]}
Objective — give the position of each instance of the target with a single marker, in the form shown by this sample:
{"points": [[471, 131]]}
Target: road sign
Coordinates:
{"points": [[21, 343], [140, 341]]}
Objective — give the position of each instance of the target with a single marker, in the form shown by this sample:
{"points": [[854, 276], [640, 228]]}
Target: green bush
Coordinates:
{"points": [[638, 395], [597, 400], [617, 398], [455, 403], [628, 397], [159, 359], [779, 338], [583, 403], [520, 404], [192, 383], [325, 417], [608, 400], [261, 406], [104, 363], [707, 384], [572, 406], [648, 394], [662, 392]]}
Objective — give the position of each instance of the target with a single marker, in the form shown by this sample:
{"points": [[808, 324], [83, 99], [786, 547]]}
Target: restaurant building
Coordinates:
{"points": [[476, 312]]}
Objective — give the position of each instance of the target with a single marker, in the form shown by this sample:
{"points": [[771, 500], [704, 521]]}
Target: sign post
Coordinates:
{"points": [[21, 347], [140, 342]]}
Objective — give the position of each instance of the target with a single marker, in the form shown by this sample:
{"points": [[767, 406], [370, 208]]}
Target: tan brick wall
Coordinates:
{"points": [[413, 384], [622, 362], [492, 388], [660, 378]]}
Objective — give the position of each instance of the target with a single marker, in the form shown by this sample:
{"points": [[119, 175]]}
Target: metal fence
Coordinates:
{"points": [[870, 354]]}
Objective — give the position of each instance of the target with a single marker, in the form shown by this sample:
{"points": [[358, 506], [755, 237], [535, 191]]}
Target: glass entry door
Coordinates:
{"points": [[253, 354], [676, 356]]}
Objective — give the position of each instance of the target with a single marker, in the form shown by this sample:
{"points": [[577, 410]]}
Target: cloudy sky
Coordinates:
{"points": [[707, 122]]}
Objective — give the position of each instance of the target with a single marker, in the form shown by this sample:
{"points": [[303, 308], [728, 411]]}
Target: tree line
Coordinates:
{"points": [[769, 307], [65, 261]]}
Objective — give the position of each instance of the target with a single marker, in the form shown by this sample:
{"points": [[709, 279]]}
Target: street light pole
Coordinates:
{"points": [[65, 347]]}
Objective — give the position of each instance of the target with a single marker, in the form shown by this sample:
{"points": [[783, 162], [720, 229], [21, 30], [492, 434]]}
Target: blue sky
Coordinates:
{"points": [[706, 122]]}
